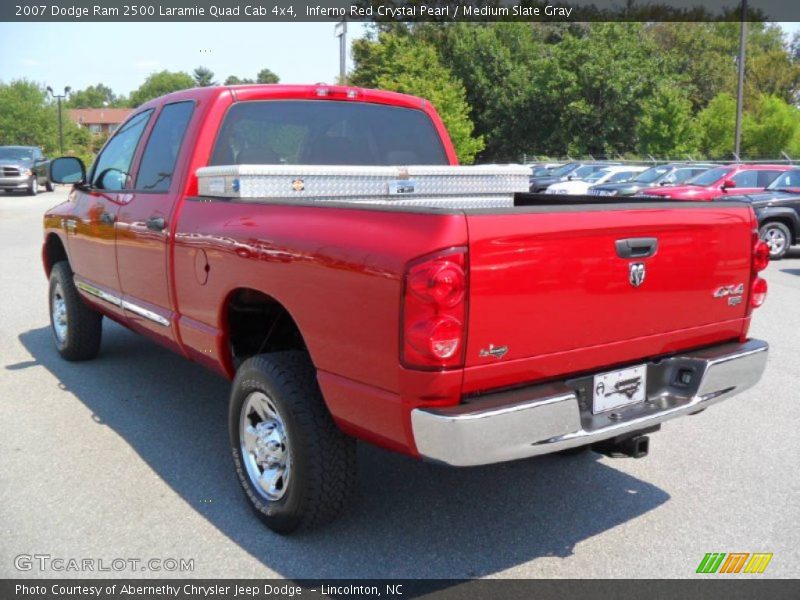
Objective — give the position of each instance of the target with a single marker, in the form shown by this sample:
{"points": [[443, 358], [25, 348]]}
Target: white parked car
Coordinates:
{"points": [[610, 174]]}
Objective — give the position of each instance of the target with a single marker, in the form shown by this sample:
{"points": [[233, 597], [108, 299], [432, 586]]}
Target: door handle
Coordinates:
{"points": [[637, 247], [107, 218], [156, 223]]}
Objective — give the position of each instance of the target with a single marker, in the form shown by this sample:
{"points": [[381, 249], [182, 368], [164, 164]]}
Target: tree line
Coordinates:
{"points": [[29, 117], [661, 89]]}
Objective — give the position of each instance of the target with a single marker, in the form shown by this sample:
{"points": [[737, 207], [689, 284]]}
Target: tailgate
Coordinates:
{"points": [[550, 279]]}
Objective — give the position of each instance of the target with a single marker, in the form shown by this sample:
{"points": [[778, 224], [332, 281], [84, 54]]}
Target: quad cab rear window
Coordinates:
{"points": [[308, 132]]}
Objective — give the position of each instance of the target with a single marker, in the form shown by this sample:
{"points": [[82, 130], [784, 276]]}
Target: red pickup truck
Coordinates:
{"points": [[463, 334], [715, 183]]}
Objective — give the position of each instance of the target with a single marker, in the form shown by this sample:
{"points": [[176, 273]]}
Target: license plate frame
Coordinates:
{"points": [[619, 388]]}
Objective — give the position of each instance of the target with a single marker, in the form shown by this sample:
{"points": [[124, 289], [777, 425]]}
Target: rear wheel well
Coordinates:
{"points": [[54, 252], [257, 323]]}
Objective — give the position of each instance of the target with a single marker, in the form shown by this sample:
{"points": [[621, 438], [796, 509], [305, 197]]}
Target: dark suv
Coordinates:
{"points": [[23, 168], [777, 209]]}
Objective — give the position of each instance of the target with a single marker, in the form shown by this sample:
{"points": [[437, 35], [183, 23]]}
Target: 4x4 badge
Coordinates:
{"points": [[636, 274]]}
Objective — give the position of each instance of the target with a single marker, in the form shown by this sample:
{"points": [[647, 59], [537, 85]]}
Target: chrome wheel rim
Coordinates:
{"points": [[776, 240], [265, 446], [58, 310]]}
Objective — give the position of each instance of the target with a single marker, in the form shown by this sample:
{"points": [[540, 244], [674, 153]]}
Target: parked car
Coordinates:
{"points": [[717, 182], [23, 168], [661, 175], [462, 335], [573, 170], [608, 174], [778, 212]]}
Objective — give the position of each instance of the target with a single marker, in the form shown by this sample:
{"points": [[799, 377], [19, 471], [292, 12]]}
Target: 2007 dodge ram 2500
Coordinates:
{"points": [[224, 224]]}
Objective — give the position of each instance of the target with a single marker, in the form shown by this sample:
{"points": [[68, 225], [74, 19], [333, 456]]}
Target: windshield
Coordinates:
{"points": [[621, 176], [541, 172], [313, 132], [709, 177], [564, 170], [597, 175], [790, 180], [651, 174], [10, 153]]}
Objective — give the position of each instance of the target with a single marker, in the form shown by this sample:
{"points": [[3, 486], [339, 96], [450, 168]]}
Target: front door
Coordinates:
{"points": [[91, 232]]}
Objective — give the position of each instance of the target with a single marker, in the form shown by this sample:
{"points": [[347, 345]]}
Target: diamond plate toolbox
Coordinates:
{"points": [[480, 186]]}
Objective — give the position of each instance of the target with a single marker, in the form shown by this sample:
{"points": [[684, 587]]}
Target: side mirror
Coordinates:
{"points": [[67, 169], [728, 183], [570, 177]]}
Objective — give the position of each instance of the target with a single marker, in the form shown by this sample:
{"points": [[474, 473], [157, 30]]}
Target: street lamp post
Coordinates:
{"points": [[60, 97], [340, 31], [740, 87]]}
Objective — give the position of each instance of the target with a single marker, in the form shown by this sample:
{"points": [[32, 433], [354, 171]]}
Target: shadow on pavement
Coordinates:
{"points": [[409, 519]]}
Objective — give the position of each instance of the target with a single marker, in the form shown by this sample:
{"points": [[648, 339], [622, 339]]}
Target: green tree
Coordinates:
{"points": [[772, 128], [399, 63], [94, 96], [159, 84], [665, 127], [715, 127], [29, 118], [203, 77], [267, 76], [234, 80]]}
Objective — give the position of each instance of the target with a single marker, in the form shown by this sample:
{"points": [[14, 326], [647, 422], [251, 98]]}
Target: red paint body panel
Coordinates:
{"points": [[546, 283], [715, 190]]}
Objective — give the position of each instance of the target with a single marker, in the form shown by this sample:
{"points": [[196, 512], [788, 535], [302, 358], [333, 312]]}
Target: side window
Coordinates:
{"points": [[746, 179], [111, 169], [766, 177], [161, 152]]}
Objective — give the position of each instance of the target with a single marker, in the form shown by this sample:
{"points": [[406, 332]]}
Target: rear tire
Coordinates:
{"points": [[77, 329], [778, 237], [296, 467], [49, 186]]}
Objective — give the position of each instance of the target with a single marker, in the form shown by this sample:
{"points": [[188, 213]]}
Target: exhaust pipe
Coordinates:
{"points": [[635, 446]]}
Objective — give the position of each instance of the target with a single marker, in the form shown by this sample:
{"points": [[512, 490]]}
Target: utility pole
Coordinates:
{"points": [[60, 97], [740, 88], [340, 31]]}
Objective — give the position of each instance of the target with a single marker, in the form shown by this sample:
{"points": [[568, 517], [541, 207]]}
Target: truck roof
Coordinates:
{"points": [[319, 91]]}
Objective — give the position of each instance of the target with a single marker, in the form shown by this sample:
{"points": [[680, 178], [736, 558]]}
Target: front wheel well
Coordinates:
{"points": [[256, 324], [54, 252]]}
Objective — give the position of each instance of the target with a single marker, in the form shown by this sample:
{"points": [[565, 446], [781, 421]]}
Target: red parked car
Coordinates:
{"points": [[715, 183], [268, 233]]}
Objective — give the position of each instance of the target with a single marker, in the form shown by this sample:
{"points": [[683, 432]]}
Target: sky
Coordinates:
{"points": [[122, 55]]}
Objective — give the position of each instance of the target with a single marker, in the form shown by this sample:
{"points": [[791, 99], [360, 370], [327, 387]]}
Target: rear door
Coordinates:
{"points": [[143, 225], [554, 279]]}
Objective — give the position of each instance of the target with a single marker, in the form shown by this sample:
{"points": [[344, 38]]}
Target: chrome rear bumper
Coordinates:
{"points": [[551, 417]]}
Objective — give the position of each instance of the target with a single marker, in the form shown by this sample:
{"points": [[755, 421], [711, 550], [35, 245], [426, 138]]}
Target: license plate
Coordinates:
{"points": [[619, 388]]}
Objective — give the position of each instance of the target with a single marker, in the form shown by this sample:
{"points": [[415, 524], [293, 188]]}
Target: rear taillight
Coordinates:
{"points": [[760, 256], [433, 326], [758, 292], [758, 286]]}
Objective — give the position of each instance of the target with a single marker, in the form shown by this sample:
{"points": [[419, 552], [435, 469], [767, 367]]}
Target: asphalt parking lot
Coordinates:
{"points": [[126, 457]]}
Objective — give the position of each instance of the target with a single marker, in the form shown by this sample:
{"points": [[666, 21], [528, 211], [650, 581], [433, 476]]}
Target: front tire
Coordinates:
{"points": [[33, 186], [778, 237], [296, 467], [77, 329]]}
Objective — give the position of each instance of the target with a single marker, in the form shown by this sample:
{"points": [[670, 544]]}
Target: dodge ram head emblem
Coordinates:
{"points": [[636, 274]]}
